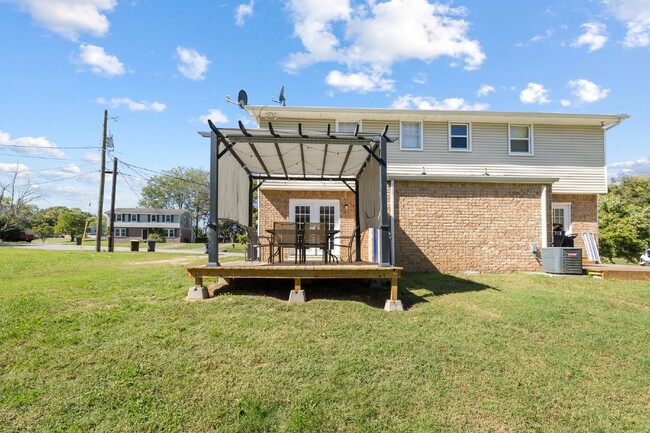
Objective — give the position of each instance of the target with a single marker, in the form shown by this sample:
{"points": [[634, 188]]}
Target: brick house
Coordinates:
{"points": [[138, 223], [467, 191]]}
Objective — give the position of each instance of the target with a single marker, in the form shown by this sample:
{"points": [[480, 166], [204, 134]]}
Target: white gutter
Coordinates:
{"points": [[475, 179]]}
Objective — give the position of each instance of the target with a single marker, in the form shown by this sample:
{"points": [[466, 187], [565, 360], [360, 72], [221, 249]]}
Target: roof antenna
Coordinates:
{"points": [[281, 99], [242, 99]]}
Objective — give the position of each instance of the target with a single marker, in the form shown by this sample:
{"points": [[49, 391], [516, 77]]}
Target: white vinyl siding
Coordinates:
{"points": [[410, 137], [574, 154], [347, 126]]}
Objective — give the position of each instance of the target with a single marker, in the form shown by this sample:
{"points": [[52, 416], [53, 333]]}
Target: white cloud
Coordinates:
{"points": [[70, 18], [485, 90], [630, 168], [369, 38], [359, 82], [586, 91], [192, 64], [430, 103], [92, 157], [565, 103], [100, 62], [636, 15], [594, 36], [420, 78], [243, 11], [215, 115], [37, 146], [133, 105], [12, 167], [534, 94]]}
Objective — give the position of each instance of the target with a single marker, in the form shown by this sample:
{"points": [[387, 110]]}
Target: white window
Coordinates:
{"points": [[120, 233], [347, 126], [169, 219], [520, 139], [459, 138], [118, 217], [169, 233], [134, 217], [562, 216], [410, 137]]}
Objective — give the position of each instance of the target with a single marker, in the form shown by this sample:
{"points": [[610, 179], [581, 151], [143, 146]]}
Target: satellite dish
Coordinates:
{"points": [[281, 98], [242, 99]]}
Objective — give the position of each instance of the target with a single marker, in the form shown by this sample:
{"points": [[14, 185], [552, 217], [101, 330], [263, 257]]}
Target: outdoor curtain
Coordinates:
{"points": [[369, 196], [233, 186]]}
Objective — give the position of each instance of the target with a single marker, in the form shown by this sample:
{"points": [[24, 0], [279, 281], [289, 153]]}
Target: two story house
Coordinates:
{"points": [[138, 223], [468, 191]]}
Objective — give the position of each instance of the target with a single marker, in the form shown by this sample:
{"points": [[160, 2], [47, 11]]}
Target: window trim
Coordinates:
{"points": [[166, 232], [120, 230], [358, 122], [469, 136], [411, 149], [531, 151]]}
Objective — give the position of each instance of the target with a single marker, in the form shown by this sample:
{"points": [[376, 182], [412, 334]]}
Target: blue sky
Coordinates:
{"points": [[162, 67]]}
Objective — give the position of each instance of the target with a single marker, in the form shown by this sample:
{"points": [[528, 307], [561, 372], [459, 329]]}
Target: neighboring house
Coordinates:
{"points": [[468, 191], [138, 223]]}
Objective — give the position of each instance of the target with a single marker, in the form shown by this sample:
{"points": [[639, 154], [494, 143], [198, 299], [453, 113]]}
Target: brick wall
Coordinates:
{"points": [[584, 215], [458, 227], [274, 206]]}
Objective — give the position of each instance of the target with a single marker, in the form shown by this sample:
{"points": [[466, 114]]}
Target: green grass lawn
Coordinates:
{"points": [[106, 342]]}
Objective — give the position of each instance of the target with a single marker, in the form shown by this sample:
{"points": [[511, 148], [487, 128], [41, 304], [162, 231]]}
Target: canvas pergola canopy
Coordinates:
{"points": [[241, 160]]}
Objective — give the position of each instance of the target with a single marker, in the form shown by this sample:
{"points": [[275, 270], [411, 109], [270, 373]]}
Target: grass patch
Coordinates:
{"points": [[96, 342]]}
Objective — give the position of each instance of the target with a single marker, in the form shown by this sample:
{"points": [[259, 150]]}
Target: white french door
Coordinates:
{"points": [[323, 211]]}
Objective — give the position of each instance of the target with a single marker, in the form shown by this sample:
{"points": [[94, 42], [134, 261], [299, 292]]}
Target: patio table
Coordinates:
{"points": [[299, 235]]}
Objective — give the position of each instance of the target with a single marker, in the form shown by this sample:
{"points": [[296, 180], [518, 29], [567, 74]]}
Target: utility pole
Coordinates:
{"points": [[100, 207], [111, 221]]}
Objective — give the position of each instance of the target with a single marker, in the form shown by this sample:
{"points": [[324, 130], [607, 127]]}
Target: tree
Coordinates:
{"points": [[180, 188], [44, 220], [16, 192], [72, 222], [624, 218]]}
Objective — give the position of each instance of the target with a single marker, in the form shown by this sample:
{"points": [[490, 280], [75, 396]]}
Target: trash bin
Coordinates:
{"points": [[78, 239], [135, 245], [151, 246]]}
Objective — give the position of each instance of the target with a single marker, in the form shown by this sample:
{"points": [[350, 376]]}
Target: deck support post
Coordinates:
{"points": [[198, 291], [393, 304], [357, 222], [297, 295]]}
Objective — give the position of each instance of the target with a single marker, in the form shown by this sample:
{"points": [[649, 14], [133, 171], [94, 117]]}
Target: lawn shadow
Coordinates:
{"points": [[365, 291], [429, 285]]}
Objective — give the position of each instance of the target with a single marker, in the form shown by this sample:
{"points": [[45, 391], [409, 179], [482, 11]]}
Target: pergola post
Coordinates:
{"points": [[250, 249], [384, 255], [357, 222], [213, 226]]}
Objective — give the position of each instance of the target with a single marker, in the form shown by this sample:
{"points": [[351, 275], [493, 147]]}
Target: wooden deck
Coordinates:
{"points": [[298, 272], [618, 272]]}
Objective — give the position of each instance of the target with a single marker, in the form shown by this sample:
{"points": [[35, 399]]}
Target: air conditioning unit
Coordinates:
{"points": [[562, 260]]}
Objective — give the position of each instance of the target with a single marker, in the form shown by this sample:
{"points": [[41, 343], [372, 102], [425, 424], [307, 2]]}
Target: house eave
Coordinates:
{"points": [[270, 113]]}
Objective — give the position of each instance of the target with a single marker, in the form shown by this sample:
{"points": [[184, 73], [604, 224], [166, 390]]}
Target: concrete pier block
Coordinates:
{"points": [[297, 297], [393, 305], [197, 292]]}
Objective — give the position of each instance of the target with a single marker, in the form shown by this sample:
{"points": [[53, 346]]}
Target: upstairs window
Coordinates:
{"points": [[459, 137], [347, 126], [410, 137], [134, 218], [118, 217], [521, 141], [169, 219]]}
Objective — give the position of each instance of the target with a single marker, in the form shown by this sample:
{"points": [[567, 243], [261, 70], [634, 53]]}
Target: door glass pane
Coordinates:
{"points": [[302, 216], [327, 217]]}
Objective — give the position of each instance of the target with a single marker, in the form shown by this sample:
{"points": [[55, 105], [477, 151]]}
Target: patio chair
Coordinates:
{"points": [[257, 244], [347, 242], [285, 235], [315, 236]]}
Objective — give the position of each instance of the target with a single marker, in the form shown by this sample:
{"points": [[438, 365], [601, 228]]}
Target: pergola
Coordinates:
{"points": [[240, 157]]}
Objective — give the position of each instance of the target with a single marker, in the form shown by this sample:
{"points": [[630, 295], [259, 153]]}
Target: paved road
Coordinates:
{"points": [[64, 247]]}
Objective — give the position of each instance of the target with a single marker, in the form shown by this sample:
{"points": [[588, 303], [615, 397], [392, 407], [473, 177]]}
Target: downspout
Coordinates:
{"points": [[544, 218], [392, 222]]}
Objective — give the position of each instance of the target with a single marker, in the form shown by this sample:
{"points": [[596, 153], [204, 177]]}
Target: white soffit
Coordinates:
{"points": [[266, 113]]}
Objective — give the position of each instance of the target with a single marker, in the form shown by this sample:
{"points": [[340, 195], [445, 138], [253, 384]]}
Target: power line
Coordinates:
{"points": [[130, 187], [50, 148], [33, 156], [164, 174], [67, 178]]}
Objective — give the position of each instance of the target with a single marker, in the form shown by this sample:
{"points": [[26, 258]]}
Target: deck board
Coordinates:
{"points": [[619, 272]]}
